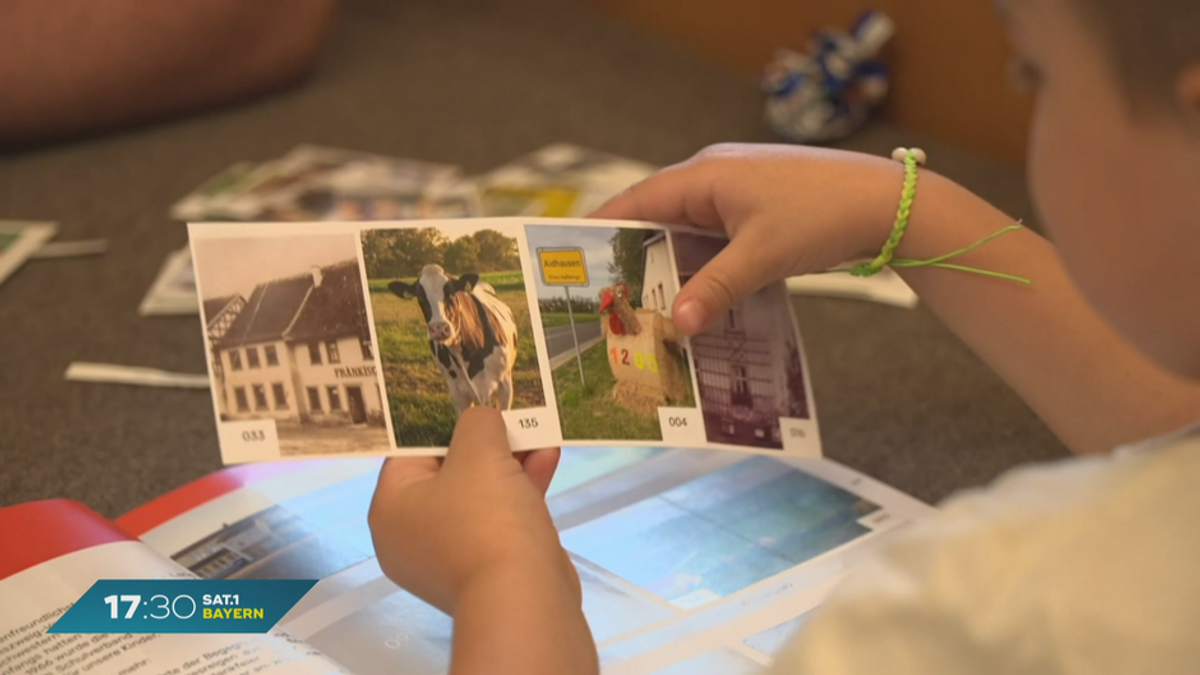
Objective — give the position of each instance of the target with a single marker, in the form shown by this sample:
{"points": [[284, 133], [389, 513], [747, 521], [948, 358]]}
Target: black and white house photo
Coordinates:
{"points": [[748, 363], [289, 340]]}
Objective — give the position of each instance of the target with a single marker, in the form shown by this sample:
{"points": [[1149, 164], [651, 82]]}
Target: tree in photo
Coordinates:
{"points": [[496, 251], [391, 254], [402, 253], [629, 261], [462, 256]]}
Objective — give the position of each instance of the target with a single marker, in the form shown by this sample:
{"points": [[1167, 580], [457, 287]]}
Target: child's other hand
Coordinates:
{"points": [[788, 211], [441, 526]]}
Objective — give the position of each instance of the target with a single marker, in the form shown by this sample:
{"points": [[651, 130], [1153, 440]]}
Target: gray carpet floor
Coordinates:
{"points": [[472, 84]]}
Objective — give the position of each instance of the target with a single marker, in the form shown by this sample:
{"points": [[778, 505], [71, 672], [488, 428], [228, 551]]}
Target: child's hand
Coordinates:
{"points": [[787, 210], [441, 527]]}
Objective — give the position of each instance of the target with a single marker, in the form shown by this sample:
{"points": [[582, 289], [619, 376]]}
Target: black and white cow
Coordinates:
{"points": [[472, 335]]}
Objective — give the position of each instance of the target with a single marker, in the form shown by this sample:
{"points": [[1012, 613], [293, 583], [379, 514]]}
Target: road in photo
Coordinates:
{"points": [[559, 341]]}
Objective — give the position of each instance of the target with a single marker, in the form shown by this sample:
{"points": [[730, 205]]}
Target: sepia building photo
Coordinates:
{"points": [[219, 315], [297, 350], [748, 364]]}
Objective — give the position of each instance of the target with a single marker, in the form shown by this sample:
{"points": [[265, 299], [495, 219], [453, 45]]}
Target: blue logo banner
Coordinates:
{"points": [[182, 606]]}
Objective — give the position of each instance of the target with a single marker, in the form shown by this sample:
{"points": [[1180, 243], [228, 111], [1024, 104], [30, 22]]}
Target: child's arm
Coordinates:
{"points": [[522, 621], [473, 537], [1093, 388], [792, 211]]}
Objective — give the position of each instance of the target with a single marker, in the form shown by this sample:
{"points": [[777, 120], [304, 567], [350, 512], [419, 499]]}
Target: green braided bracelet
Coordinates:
{"points": [[912, 158]]}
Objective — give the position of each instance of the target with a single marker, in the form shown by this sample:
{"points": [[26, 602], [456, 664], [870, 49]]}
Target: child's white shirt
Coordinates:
{"points": [[1086, 566]]}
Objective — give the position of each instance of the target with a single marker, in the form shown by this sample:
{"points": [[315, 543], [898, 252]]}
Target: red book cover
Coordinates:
{"points": [[35, 532], [181, 500]]}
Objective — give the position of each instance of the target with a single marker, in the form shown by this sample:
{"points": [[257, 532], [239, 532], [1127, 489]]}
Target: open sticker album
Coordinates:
{"points": [[744, 548], [370, 338]]}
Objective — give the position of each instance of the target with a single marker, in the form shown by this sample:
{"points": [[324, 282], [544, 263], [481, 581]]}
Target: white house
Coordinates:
{"points": [[219, 315], [747, 364], [658, 282], [300, 350]]}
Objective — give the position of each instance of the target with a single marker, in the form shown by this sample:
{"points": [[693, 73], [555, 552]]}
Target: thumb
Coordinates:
{"points": [[479, 436], [740, 269]]}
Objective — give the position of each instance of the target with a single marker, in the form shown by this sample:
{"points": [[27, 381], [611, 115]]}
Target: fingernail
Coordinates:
{"points": [[689, 318]]}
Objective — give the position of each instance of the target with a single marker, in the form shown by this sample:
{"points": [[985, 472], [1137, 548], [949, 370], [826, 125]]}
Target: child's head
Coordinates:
{"points": [[1115, 158]]}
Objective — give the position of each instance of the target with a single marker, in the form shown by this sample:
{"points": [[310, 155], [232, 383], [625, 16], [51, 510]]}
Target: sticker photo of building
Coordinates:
{"points": [[298, 350], [658, 288], [225, 554], [219, 315], [748, 363], [274, 543]]}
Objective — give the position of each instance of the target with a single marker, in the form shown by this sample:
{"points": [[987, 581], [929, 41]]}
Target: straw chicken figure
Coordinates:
{"points": [[622, 320], [643, 353]]}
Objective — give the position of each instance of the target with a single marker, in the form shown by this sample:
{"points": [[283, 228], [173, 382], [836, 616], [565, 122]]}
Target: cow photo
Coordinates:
{"points": [[614, 352], [452, 321]]}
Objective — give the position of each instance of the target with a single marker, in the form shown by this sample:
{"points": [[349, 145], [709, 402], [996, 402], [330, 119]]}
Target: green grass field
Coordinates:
{"points": [[422, 414], [553, 319], [591, 412]]}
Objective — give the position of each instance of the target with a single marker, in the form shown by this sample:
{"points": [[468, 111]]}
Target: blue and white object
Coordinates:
{"points": [[830, 91]]}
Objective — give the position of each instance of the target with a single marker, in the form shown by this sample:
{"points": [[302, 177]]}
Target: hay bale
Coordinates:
{"points": [[646, 365], [638, 398]]}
